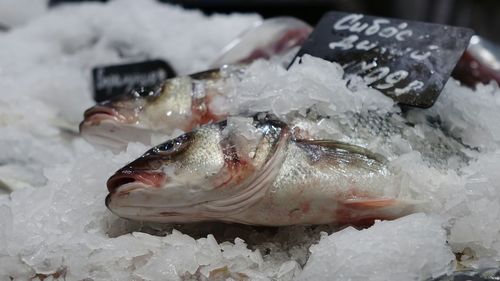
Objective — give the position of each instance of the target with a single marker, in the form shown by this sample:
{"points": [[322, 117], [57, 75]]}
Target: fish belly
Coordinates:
{"points": [[318, 189]]}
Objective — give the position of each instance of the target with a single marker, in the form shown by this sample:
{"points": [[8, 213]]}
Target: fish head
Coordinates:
{"points": [[137, 115], [116, 122], [205, 174], [180, 103]]}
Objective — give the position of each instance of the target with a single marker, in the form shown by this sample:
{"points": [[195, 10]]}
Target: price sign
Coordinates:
{"points": [[408, 61], [113, 80]]}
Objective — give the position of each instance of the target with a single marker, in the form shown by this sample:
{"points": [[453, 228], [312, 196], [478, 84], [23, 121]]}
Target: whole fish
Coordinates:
{"points": [[255, 172], [181, 103]]}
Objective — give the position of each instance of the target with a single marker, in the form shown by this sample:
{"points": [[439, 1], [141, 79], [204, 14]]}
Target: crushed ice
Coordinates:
{"points": [[56, 225]]}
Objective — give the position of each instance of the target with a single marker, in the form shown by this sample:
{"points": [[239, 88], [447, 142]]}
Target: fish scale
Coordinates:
{"points": [[435, 145]]}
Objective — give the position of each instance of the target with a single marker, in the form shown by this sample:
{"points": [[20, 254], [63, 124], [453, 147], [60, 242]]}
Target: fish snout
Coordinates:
{"points": [[99, 113], [128, 176]]}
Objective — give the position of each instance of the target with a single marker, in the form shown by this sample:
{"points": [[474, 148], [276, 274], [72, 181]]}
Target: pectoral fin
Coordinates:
{"points": [[369, 204], [362, 211]]}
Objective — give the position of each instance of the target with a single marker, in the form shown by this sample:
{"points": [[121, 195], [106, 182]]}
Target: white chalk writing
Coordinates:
{"points": [[353, 24], [368, 34], [128, 80]]}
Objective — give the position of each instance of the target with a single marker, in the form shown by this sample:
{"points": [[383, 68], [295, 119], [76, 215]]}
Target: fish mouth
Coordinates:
{"points": [[128, 180], [96, 114]]}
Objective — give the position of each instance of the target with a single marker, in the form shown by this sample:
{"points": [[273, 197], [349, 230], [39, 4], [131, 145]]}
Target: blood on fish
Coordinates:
{"points": [[305, 206], [255, 189], [292, 38], [300, 211], [238, 169], [287, 41], [370, 204], [362, 212], [201, 113], [294, 214]]}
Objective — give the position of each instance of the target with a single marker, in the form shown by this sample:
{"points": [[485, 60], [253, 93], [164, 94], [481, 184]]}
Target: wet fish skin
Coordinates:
{"points": [[485, 274], [215, 173], [436, 144], [180, 103]]}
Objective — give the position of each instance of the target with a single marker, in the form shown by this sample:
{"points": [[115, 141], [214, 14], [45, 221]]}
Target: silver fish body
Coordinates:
{"points": [[180, 103], [394, 134], [219, 173]]}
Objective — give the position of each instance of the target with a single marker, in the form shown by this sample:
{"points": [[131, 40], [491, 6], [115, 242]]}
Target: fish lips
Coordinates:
{"points": [[126, 176], [98, 113], [124, 187]]}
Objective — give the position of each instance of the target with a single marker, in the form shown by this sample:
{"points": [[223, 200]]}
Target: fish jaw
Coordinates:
{"points": [[113, 134], [111, 126], [137, 195], [123, 202]]}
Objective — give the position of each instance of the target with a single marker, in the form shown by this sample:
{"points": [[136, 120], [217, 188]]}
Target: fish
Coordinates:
{"points": [[480, 63], [180, 103], [184, 103], [256, 172], [397, 133], [472, 274], [277, 38]]}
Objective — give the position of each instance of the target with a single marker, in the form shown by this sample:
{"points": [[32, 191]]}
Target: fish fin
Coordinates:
{"points": [[65, 125], [5, 188], [351, 148], [364, 204], [365, 210], [10, 184]]}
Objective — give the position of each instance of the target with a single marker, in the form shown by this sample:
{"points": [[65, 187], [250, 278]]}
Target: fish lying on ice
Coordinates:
{"points": [[258, 174], [184, 103], [181, 103]]}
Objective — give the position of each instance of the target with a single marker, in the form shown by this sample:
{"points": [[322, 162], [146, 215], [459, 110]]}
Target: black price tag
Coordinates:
{"points": [[408, 61], [3, 27], [113, 80]]}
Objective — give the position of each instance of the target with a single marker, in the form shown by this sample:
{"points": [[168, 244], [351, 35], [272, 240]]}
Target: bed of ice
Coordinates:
{"points": [[55, 226]]}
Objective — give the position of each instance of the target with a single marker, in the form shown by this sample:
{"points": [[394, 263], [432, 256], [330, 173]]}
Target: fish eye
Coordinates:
{"points": [[173, 146], [144, 92], [166, 146]]}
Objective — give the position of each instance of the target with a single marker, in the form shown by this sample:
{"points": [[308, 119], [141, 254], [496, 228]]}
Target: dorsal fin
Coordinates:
{"points": [[351, 148]]}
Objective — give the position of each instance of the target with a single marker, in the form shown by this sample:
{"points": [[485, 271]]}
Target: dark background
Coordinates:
{"points": [[481, 15]]}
